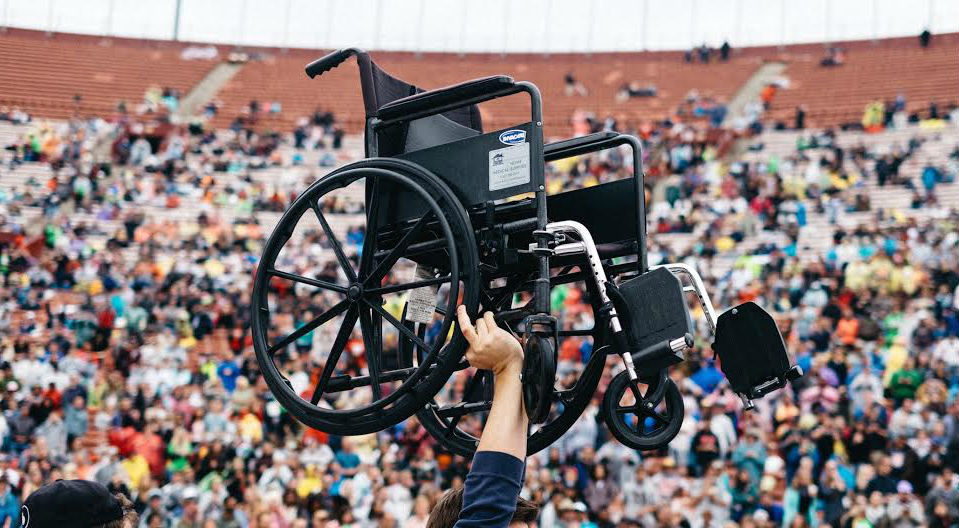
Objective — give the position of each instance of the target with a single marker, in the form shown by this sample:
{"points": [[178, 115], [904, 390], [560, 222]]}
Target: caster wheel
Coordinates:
{"points": [[647, 421], [539, 375]]}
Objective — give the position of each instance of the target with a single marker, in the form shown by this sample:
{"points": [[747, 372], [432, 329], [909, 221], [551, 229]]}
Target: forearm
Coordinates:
{"points": [[507, 424]]}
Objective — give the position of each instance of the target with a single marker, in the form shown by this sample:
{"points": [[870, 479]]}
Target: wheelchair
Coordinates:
{"points": [[453, 215]]}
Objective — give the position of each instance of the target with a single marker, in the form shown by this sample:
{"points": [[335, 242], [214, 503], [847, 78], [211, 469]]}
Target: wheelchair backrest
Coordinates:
{"points": [[441, 130], [380, 88]]}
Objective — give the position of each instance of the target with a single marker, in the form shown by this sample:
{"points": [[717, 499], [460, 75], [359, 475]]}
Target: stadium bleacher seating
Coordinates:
{"points": [[872, 70], [281, 78], [43, 73]]}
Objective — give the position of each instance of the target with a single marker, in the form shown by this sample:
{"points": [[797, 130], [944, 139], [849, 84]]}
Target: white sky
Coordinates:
{"points": [[490, 25]]}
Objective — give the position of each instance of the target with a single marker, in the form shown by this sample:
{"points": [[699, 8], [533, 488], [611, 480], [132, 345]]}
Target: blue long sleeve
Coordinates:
{"points": [[491, 490]]}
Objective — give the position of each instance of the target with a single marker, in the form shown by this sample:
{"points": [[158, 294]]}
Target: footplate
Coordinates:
{"points": [[752, 352]]}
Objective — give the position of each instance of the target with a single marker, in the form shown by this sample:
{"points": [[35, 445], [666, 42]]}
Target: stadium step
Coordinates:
{"points": [[751, 89]]}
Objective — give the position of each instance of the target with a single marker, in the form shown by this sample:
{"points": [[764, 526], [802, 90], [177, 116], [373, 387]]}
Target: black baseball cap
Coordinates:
{"points": [[70, 504]]}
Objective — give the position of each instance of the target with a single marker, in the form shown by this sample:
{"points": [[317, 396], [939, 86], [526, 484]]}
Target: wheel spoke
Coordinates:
{"points": [[487, 388], [369, 239], [369, 348], [337, 248], [420, 351], [398, 325], [632, 409], [458, 410], [339, 344], [306, 280], [474, 389], [393, 288], [656, 415], [640, 424], [384, 265], [337, 309]]}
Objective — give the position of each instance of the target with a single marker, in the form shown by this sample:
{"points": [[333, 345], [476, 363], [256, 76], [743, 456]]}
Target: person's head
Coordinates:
{"points": [[190, 498], [447, 511], [83, 502], [884, 466]]}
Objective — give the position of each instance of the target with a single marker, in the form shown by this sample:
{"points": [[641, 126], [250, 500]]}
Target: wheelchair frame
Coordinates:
{"points": [[462, 208]]}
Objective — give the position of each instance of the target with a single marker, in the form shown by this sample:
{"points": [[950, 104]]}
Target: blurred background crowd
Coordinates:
{"points": [[127, 250]]}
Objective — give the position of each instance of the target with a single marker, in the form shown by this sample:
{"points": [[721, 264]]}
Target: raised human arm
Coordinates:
{"points": [[496, 476], [495, 349]]}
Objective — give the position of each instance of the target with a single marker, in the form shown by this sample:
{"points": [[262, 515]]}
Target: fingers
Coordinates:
{"points": [[466, 326], [490, 321], [481, 328]]}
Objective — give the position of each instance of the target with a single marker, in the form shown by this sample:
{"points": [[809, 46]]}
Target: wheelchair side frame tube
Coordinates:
{"points": [[586, 246]]}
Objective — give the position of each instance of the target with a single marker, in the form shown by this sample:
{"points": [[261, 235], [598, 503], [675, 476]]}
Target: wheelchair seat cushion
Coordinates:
{"points": [[750, 348]]}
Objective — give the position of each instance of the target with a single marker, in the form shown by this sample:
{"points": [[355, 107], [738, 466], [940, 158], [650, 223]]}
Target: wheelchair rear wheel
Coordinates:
{"points": [[353, 301]]}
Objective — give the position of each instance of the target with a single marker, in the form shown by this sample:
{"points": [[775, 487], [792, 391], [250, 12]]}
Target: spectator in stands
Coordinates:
{"points": [[835, 56], [768, 94], [800, 121], [705, 53], [724, 51], [14, 115], [9, 504], [931, 175], [635, 89], [873, 116], [573, 86], [925, 38]]}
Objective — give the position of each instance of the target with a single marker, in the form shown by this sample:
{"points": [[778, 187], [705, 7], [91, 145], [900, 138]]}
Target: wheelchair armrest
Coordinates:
{"points": [[424, 101], [557, 150], [330, 61]]}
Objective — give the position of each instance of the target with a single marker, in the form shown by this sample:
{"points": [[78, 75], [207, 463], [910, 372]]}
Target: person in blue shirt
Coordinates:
{"points": [[228, 372], [490, 496], [9, 505], [708, 377]]}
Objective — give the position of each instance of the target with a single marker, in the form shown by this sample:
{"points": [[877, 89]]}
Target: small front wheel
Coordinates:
{"points": [[646, 421], [539, 376]]}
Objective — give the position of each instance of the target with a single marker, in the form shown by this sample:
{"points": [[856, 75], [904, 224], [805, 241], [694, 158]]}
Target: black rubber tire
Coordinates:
{"points": [[539, 376], [628, 436], [425, 382]]}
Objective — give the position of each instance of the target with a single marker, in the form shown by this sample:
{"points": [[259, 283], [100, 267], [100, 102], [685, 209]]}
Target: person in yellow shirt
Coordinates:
{"points": [[251, 428], [309, 481], [137, 469]]}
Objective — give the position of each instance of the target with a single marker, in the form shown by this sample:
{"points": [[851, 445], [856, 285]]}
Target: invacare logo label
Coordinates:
{"points": [[513, 137]]}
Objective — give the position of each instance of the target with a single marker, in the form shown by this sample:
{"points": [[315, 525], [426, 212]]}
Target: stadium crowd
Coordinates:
{"points": [[126, 355]]}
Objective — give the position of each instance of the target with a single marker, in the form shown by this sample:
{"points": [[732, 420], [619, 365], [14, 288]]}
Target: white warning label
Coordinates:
{"points": [[422, 302], [508, 167]]}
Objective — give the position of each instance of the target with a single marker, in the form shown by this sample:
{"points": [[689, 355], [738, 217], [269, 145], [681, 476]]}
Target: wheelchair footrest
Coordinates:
{"points": [[752, 352]]}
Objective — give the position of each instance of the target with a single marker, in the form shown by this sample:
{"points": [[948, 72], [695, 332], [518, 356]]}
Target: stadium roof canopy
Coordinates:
{"points": [[488, 25]]}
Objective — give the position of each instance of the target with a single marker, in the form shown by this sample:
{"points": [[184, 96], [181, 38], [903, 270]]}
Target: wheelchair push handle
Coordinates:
{"points": [[330, 61]]}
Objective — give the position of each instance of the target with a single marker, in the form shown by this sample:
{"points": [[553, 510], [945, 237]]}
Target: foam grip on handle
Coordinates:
{"points": [[328, 62]]}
